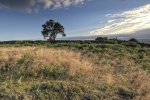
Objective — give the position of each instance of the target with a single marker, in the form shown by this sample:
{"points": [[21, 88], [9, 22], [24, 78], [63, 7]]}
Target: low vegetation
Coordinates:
{"points": [[75, 71]]}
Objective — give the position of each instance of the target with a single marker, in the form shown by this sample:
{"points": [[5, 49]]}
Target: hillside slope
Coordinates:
{"points": [[75, 72]]}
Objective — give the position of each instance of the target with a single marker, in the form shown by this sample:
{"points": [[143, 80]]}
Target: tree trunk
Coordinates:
{"points": [[52, 38]]}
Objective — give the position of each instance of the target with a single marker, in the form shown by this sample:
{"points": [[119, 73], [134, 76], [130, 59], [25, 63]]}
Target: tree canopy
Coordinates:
{"points": [[51, 29]]}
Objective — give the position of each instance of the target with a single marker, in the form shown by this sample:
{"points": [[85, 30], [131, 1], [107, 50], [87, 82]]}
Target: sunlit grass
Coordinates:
{"points": [[56, 73]]}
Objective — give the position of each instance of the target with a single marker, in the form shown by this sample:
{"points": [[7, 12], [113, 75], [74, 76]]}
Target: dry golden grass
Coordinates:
{"points": [[114, 73], [73, 61]]}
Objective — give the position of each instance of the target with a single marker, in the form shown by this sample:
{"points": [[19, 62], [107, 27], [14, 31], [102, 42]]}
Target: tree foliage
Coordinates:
{"points": [[133, 40], [101, 39], [51, 29]]}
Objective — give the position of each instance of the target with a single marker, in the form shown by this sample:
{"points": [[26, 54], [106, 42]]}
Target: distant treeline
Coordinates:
{"points": [[60, 41], [98, 40]]}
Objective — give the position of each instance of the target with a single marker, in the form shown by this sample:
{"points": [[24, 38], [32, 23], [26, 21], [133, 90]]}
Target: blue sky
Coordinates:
{"points": [[22, 19]]}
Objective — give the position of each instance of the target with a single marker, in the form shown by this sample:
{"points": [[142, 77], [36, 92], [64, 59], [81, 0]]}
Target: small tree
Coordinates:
{"points": [[133, 40], [101, 39], [51, 29]]}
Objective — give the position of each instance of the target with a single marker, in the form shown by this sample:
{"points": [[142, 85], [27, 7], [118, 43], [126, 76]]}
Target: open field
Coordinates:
{"points": [[75, 71], [74, 49]]}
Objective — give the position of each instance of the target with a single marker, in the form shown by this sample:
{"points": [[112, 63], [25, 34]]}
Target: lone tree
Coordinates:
{"points": [[133, 40], [51, 29]]}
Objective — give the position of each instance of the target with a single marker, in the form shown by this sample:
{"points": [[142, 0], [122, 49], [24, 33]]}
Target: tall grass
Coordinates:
{"points": [[56, 73]]}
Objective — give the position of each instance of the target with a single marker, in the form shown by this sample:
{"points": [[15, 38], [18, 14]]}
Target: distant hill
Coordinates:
{"points": [[142, 40]]}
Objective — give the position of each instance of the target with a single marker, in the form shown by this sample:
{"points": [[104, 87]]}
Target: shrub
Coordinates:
{"points": [[102, 39], [133, 40]]}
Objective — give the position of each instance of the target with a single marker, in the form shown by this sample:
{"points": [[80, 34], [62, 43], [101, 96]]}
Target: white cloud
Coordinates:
{"points": [[31, 5], [111, 20], [126, 22]]}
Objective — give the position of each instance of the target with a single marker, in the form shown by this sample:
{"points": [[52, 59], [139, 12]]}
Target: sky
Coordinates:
{"points": [[22, 19]]}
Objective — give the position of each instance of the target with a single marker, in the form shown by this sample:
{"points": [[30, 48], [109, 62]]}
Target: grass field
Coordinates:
{"points": [[75, 71]]}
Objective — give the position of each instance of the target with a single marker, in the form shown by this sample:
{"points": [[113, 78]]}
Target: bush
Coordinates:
{"points": [[133, 40], [101, 39]]}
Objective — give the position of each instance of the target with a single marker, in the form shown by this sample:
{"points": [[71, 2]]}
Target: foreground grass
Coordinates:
{"points": [[74, 72]]}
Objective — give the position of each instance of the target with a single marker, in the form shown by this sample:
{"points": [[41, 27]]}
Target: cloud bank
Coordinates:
{"points": [[31, 5], [135, 20]]}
